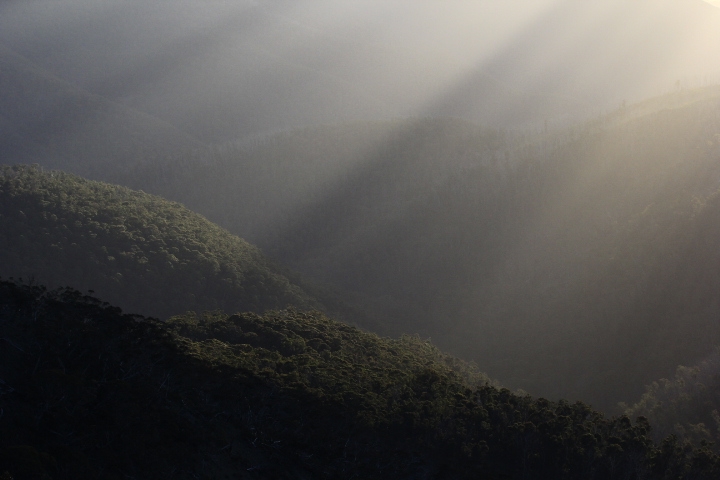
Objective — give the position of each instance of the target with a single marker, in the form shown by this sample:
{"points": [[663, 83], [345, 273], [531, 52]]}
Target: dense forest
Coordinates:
{"points": [[286, 394], [88, 392], [321, 278], [136, 250]]}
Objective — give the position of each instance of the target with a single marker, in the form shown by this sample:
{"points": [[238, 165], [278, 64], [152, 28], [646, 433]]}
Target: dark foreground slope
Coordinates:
{"points": [[87, 392], [137, 250]]}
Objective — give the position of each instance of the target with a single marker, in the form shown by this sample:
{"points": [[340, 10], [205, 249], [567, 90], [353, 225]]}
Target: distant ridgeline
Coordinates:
{"points": [[139, 251], [51, 121], [87, 392], [574, 264]]}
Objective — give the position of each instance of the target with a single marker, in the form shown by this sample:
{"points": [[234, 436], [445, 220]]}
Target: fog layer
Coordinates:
{"points": [[222, 70]]}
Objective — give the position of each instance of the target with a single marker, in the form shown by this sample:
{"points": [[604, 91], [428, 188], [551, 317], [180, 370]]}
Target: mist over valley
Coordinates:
{"points": [[490, 227]]}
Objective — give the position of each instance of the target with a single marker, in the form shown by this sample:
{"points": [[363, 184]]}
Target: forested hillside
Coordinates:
{"points": [[331, 224], [369, 207], [571, 263], [87, 392], [559, 260], [686, 405], [138, 251]]}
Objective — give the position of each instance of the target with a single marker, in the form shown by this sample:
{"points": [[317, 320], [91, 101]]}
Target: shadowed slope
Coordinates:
{"points": [[87, 392]]}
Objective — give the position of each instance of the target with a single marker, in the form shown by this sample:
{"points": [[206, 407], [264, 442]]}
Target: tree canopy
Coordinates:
{"points": [[89, 392], [139, 251]]}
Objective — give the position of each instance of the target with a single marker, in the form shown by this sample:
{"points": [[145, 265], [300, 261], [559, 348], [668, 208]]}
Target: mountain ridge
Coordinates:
{"points": [[136, 250], [89, 392], [470, 235]]}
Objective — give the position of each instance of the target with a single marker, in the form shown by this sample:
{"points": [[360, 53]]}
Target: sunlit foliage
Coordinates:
{"points": [[138, 250]]}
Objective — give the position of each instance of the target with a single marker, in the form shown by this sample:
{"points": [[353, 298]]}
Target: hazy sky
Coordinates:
{"points": [[268, 64]]}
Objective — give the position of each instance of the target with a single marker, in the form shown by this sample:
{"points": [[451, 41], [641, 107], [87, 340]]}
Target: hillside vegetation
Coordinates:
{"points": [[370, 208], [321, 280], [572, 264], [686, 405], [567, 263], [87, 392], [138, 251]]}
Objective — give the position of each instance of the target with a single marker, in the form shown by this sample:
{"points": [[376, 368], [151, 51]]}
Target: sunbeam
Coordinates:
{"points": [[256, 67], [481, 172]]}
